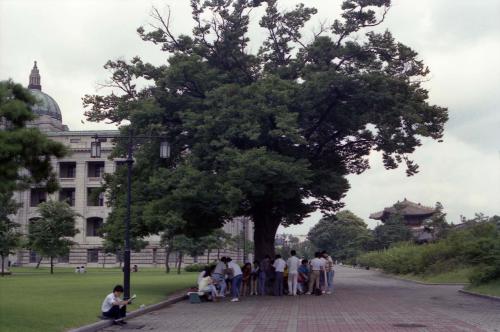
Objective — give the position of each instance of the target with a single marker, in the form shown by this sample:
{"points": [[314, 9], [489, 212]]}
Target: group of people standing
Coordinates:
{"points": [[269, 277]]}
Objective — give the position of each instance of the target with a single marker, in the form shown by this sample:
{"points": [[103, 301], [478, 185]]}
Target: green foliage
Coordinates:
{"points": [[10, 237], [25, 153], [392, 231], [59, 294], [257, 134], [344, 235], [477, 246], [195, 268], [49, 234]]}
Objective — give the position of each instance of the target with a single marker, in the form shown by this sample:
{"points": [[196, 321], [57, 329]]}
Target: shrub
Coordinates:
{"points": [[195, 268], [477, 246]]}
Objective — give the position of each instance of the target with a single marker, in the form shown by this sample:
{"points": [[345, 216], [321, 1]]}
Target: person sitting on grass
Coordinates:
{"points": [[113, 307]]}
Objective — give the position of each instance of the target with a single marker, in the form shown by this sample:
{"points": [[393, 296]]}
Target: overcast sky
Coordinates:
{"points": [[458, 39]]}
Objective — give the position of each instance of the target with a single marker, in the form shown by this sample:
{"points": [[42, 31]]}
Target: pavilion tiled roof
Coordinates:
{"points": [[405, 208]]}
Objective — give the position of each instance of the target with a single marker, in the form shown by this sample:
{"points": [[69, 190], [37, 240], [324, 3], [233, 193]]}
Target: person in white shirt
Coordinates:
{"points": [[113, 306], [218, 276], [236, 280], [317, 267], [322, 276], [279, 269], [293, 271]]}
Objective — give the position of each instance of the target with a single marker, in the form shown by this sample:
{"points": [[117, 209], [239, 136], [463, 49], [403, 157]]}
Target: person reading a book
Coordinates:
{"points": [[113, 306]]}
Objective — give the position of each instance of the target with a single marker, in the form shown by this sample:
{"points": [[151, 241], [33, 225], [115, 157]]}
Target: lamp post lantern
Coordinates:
{"points": [[95, 152]]}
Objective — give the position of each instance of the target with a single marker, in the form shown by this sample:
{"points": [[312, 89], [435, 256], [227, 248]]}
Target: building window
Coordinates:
{"points": [[95, 169], [63, 259], [92, 255], [95, 197], [94, 224], [67, 195], [74, 140], [67, 170], [37, 196], [34, 258]]}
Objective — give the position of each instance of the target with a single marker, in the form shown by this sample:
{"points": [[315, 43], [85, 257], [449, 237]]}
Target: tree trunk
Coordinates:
{"points": [[265, 230], [167, 259], [180, 262], [51, 265], [3, 270], [39, 261], [208, 256], [218, 253]]}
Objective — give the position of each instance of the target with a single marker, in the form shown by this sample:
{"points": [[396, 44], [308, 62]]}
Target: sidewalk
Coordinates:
{"points": [[363, 301]]}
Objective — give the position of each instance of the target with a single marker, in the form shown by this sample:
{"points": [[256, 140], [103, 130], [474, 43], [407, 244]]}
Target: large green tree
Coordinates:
{"points": [[25, 153], [344, 235], [270, 134], [10, 236], [49, 235]]}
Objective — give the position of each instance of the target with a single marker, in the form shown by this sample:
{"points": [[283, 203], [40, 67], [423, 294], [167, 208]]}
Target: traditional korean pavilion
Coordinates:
{"points": [[414, 214]]}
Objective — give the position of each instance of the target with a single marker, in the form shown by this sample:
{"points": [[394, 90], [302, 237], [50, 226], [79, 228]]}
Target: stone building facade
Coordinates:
{"points": [[80, 178]]}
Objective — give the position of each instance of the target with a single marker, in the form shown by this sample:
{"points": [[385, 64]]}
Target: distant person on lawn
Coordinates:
{"points": [[113, 306]]}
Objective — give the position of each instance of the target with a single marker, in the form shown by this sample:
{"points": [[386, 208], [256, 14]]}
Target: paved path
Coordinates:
{"points": [[363, 301]]}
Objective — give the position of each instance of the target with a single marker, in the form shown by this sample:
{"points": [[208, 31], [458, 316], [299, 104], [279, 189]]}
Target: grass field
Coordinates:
{"points": [[491, 288], [33, 300], [459, 276]]}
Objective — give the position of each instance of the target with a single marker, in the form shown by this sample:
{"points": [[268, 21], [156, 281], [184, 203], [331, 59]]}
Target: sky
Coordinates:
{"points": [[458, 39]]}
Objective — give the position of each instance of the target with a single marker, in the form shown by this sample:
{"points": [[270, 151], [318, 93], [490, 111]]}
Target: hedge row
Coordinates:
{"points": [[477, 246]]}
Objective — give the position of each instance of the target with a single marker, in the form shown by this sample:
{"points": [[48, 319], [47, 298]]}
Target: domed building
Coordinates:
{"points": [[48, 111], [80, 178]]}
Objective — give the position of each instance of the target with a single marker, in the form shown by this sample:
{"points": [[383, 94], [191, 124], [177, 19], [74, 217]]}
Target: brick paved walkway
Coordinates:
{"points": [[363, 301]]}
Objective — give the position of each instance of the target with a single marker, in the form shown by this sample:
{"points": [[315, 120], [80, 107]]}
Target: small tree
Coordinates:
{"points": [[10, 238], [49, 234], [392, 231], [438, 223], [343, 235]]}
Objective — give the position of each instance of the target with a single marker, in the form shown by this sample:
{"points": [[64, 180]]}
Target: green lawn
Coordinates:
{"points": [[459, 276], [491, 288], [34, 300]]}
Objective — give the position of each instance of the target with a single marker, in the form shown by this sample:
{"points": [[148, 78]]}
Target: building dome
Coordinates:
{"points": [[49, 114], [46, 105]]}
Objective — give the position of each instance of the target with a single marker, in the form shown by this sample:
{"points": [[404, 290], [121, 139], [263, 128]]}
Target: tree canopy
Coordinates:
{"points": [[48, 235], [270, 134], [25, 153], [344, 235]]}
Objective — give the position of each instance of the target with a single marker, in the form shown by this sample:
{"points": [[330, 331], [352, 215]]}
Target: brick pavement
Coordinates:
{"points": [[362, 301]]}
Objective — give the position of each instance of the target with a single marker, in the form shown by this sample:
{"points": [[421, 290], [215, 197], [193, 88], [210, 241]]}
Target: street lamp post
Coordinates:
{"points": [[95, 152]]}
